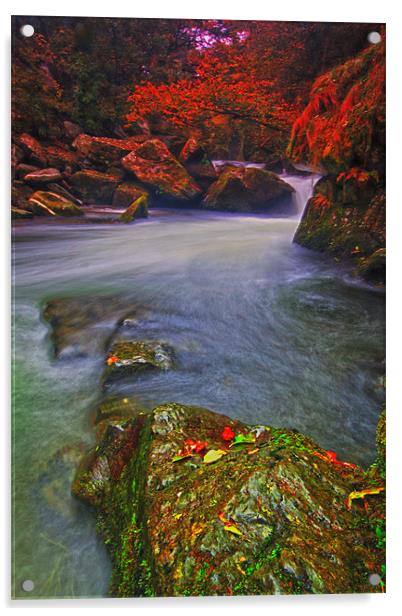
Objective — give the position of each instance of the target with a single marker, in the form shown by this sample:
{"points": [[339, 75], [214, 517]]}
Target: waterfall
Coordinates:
{"points": [[303, 186]]}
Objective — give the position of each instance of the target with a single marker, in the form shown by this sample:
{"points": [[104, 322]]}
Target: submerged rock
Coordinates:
{"points": [[51, 204], [82, 325], [94, 186], [270, 515], [152, 163], [127, 358], [249, 189], [373, 268]]}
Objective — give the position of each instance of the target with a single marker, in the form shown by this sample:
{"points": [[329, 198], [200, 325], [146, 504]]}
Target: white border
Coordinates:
{"points": [[293, 10]]}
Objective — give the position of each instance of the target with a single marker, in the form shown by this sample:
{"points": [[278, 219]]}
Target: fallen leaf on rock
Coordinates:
{"points": [[213, 455], [230, 525], [243, 439], [112, 360], [362, 494], [196, 446], [182, 455], [253, 451], [227, 434]]}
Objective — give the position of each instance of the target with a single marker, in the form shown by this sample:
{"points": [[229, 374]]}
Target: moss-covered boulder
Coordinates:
{"points": [[95, 186], [137, 209], [43, 176], [241, 189], [126, 193], [342, 131], [153, 164], [190, 502], [373, 267], [127, 358], [331, 223], [44, 203]]}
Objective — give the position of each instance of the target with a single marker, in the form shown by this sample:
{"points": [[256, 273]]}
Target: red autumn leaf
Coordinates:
{"points": [[228, 434], [112, 360]]}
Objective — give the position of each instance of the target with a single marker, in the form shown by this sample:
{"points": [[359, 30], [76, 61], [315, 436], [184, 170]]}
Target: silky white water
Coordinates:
{"points": [[263, 330]]}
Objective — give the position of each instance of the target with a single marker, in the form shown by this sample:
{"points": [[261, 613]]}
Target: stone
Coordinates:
{"points": [[16, 213], [249, 189], [81, 326], [23, 169], [94, 187], [103, 151], [61, 190], [269, 517], [373, 267], [137, 209], [61, 158], [71, 129], [44, 203], [195, 159], [126, 193], [153, 164], [43, 176], [127, 358], [33, 150]]}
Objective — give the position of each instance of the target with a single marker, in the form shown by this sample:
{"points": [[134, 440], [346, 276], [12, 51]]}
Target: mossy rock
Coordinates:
{"points": [[129, 357], [43, 176], [137, 209], [240, 189], [267, 517], [373, 268], [51, 204]]}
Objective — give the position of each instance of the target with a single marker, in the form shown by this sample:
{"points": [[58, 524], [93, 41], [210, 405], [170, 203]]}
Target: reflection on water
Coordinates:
{"points": [[262, 329]]}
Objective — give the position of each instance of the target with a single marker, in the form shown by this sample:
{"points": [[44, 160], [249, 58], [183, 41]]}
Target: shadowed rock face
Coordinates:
{"points": [[94, 186], [268, 516], [241, 189]]}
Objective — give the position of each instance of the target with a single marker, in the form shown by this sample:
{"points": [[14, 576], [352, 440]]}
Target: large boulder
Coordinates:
{"points": [[137, 209], [153, 164], [43, 176], [95, 186], [103, 151], [33, 150], [247, 189], [44, 203], [190, 502]]}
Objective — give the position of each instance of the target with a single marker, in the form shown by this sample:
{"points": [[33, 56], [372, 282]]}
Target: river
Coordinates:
{"points": [[263, 330]]}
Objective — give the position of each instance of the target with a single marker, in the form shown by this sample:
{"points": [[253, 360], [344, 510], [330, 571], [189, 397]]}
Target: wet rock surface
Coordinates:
{"points": [[44, 203], [81, 326], [127, 358], [240, 189], [271, 513]]}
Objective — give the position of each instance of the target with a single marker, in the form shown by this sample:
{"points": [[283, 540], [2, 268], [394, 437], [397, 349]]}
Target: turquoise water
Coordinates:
{"points": [[262, 329]]}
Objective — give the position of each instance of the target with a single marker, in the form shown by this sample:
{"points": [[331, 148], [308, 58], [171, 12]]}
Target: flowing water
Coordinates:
{"points": [[263, 330]]}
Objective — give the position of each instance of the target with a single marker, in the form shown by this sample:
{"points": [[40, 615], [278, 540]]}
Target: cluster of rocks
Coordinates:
{"points": [[60, 179]]}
